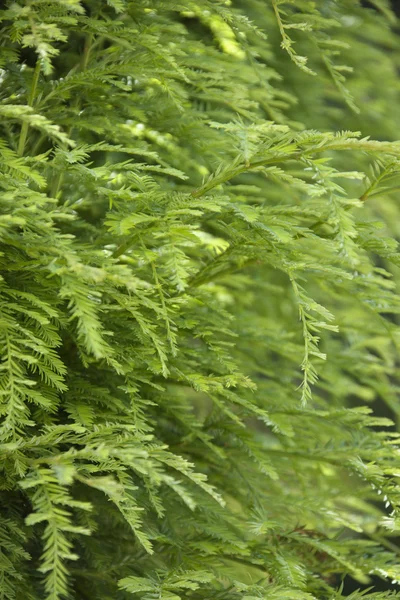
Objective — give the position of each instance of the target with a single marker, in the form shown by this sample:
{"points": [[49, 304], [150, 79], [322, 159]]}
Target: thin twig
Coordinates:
{"points": [[25, 125]]}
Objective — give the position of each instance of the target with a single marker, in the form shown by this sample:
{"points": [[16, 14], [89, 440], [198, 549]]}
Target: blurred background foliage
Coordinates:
{"points": [[177, 273]]}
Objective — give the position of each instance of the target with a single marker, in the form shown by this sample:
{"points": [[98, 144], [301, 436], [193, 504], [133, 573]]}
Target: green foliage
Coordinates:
{"points": [[199, 321]]}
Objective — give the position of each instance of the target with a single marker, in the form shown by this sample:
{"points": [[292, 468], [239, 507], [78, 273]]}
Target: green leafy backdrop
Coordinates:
{"points": [[199, 317]]}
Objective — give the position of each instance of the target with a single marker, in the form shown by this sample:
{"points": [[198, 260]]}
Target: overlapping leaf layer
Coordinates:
{"points": [[199, 319]]}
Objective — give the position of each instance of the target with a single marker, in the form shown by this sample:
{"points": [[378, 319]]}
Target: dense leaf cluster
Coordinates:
{"points": [[198, 299]]}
